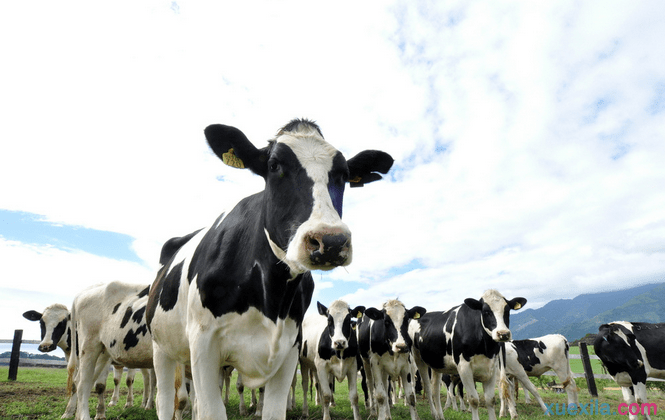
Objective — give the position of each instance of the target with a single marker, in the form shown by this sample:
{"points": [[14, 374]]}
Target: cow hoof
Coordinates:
{"points": [[128, 405], [112, 403]]}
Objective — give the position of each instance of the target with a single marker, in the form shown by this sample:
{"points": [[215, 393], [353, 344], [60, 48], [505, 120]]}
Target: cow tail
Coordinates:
{"points": [[72, 363]]}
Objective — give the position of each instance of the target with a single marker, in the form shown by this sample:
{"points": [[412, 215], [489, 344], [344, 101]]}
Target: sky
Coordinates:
{"points": [[528, 138]]}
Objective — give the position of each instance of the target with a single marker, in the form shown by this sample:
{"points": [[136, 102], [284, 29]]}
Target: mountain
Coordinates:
{"points": [[574, 318]]}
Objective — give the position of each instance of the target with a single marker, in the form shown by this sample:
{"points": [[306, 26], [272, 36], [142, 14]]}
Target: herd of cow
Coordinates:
{"points": [[235, 294]]}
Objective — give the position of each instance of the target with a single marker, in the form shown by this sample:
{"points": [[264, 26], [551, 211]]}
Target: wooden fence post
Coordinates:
{"points": [[588, 372], [16, 354]]}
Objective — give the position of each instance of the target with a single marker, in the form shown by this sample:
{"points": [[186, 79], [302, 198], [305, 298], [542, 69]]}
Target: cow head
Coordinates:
{"points": [[395, 318], [53, 323], [616, 347], [305, 179], [340, 328], [495, 313]]}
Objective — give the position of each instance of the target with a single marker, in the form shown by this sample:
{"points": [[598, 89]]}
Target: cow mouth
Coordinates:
{"points": [[46, 349]]}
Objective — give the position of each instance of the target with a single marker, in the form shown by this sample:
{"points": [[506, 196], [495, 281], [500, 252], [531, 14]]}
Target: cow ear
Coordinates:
{"points": [[374, 314], [516, 303], [322, 309], [32, 316], [235, 150], [364, 166], [416, 312], [473, 304], [357, 312]]}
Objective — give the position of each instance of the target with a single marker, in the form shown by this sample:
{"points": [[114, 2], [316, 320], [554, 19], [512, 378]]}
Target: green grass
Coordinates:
{"points": [[39, 393]]}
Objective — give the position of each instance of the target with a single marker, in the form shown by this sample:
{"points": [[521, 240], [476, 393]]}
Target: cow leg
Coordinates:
{"points": [[488, 391], [352, 379], [240, 388], [117, 377], [566, 378], [427, 383], [641, 398], [379, 388], [277, 388], [406, 378], [165, 373], [131, 373], [325, 389], [147, 401], [507, 394], [529, 387], [205, 375], [86, 377], [304, 371], [436, 382], [101, 373], [369, 376], [466, 375], [70, 410], [291, 405], [225, 382]]}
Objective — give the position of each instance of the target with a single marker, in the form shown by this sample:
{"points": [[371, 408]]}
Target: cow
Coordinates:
{"points": [[329, 350], [108, 324], [55, 323], [464, 340], [632, 352], [235, 293], [385, 350], [534, 357]]}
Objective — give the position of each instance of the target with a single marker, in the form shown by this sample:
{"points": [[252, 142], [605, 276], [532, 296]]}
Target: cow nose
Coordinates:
{"points": [[45, 348], [503, 335], [330, 249], [401, 348], [340, 344]]}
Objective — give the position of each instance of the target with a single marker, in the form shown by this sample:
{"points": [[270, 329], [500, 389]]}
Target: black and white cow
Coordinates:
{"points": [[632, 352], [464, 340], [108, 322], [534, 357], [236, 292], [385, 350], [329, 350], [55, 323]]}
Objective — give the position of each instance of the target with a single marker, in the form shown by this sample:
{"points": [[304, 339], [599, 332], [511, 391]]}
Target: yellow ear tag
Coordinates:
{"points": [[360, 315], [229, 158], [517, 306], [416, 316]]}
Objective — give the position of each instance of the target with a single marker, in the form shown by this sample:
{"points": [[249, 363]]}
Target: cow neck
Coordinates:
{"points": [[235, 267], [474, 342]]}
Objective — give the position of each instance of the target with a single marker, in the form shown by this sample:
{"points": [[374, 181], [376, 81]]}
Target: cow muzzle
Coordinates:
{"points": [[503, 335], [328, 250], [340, 344], [45, 348], [401, 348]]}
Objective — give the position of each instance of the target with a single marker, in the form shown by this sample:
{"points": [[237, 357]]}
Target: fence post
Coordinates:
{"points": [[588, 372], [16, 354]]}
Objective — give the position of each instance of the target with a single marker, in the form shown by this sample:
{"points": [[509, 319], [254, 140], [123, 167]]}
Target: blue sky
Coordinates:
{"points": [[528, 140]]}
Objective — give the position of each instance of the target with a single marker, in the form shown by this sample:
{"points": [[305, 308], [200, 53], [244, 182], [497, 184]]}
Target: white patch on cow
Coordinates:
{"points": [[316, 157], [294, 266], [497, 304]]}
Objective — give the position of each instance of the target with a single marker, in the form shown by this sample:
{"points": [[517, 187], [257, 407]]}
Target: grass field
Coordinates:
{"points": [[39, 393]]}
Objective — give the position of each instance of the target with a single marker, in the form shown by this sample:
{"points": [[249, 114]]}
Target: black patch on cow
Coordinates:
{"points": [[168, 288], [115, 308], [132, 337], [325, 349], [143, 292], [138, 315], [126, 317], [304, 349], [112, 343], [432, 344], [337, 181], [408, 377], [58, 331], [42, 326], [526, 352], [69, 340], [171, 247]]}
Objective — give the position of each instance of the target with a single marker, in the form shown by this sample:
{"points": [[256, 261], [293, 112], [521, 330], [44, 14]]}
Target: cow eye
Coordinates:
{"points": [[273, 165]]}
